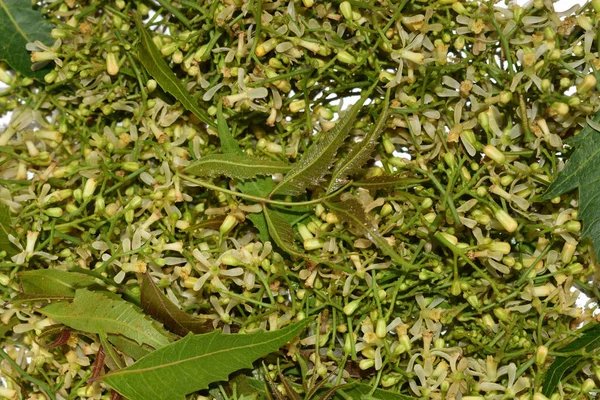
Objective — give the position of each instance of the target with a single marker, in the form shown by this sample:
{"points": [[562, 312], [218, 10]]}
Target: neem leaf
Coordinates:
{"points": [[280, 230], [352, 212], [361, 152], [95, 312], [156, 304], [236, 166], [582, 170], [129, 347], [53, 282], [194, 362], [6, 228], [20, 24], [589, 341], [228, 143], [157, 67], [363, 392], [315, 163]]}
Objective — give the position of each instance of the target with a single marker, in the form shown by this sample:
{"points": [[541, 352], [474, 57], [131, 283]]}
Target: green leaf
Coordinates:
{"points": [[589, 341], [54, 282], [95, 312], [114, 361], [396, 181], [581, 170], [363, 392], [260, 223], [236, 166], [361, 152], [6, 228], [157, 305], [280, 231], [194, 362], [20, 24], [228, 143], [315, 163], [34, 297], [129, 347], [157, 67], [351, 211]]}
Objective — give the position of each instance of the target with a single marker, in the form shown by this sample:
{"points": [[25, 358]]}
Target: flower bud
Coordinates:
{"points": [[351, 307], [265, 47], [588, 82], [588, 385], [54, 212], [381, 328], [296, 106], [366, 364], [346, 57], [494, 154], [508, 222], [312, 244], [567, 252], [228, 224], [346, 10], [560, 108], [540, 355], [88, 189], [112, 64]]}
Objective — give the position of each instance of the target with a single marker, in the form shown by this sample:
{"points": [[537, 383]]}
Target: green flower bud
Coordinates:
{"points": [[54, 212], [351, 307]]}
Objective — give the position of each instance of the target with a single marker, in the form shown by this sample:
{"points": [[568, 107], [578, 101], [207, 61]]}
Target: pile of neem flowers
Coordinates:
{"points": [[373, 169]]}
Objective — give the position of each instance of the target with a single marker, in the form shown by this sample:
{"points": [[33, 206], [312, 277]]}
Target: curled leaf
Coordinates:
{"points": [[156, 304], [53, 283], [280, 231]]}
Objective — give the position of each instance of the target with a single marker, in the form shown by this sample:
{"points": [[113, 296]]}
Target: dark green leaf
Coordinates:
{"points": [[54, 282], [315, 163], [157, 67], [351, 211], [235, 166], [260, 223], [95, 312], [280, 231], [6, 228], [589, 341], [363, 392], [5, 329], [113, 360], [582, 171], [194, 362], [361, 152], [156, 304], [129, 347], [20, 24]]}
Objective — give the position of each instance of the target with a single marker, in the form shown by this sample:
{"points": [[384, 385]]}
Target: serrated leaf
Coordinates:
{"points": [[589, 341], [228, 143], [20, 24], [396, 181], [152, 60], [361, 152], [6, 228], [363, 392], [32, 298], [351, 211], [236, 166], [280, 231], [114, 361], [582, 170], [194, 362], [260, 223], [54, 282], [95, 312], [315, 163], [157, 305]]}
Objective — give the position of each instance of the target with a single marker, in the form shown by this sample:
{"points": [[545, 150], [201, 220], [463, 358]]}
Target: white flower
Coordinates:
{"points": [[29, 251]]}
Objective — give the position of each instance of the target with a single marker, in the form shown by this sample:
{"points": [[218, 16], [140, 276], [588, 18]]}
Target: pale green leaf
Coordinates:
{"points": [[95, 312], [152, 60], [351, 211], [194, 362], [236, 166], [582, 170], [54, 282], [129, 347], [21, 24], [361, 152], [157, 305], [589, 342], [315, 163], [280, 231], [6, 228], [113, 359]]}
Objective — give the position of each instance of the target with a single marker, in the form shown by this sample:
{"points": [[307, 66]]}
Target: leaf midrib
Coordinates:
{"points": [[14, 22]]}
